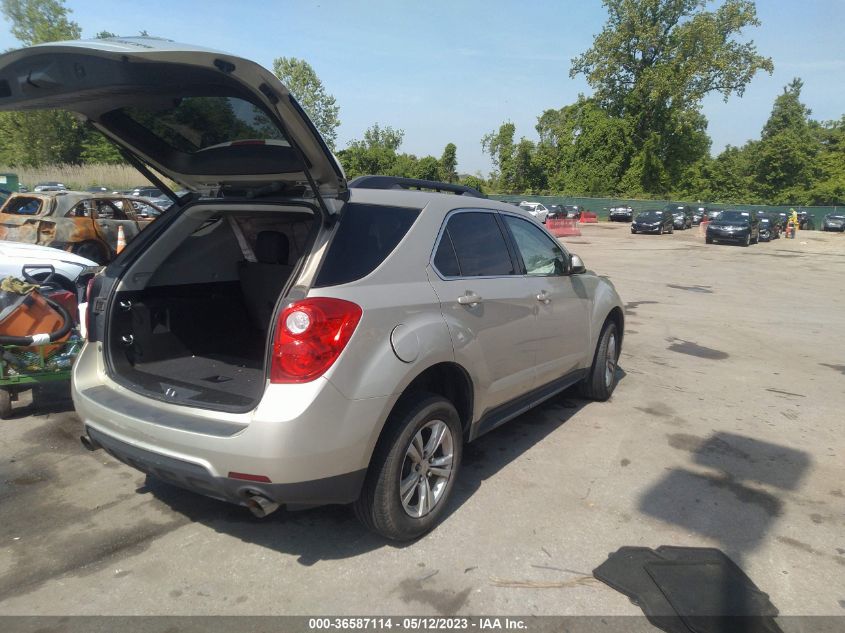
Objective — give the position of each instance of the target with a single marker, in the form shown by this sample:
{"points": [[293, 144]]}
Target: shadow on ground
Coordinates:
{"points": [[332, 532]]}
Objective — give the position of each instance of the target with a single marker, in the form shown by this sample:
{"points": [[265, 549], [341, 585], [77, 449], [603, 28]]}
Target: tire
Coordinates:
{"points": [[601, 381], [660, 230], [380, 506], [633, 231], [747, 240], [90, 250], [708, 240], [5, 404]]}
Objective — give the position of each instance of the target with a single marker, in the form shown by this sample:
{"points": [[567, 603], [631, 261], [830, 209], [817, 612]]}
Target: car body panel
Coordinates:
{"points": [[15, 255]]}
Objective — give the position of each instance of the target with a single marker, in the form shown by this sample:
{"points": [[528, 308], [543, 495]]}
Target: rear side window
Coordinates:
{"points": [[479, 245], [366, 236], [23, 205]]}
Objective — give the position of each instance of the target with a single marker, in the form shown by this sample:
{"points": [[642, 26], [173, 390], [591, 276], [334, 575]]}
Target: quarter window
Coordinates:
{"points": [[541, 255], [23, 206], [478, 244]]}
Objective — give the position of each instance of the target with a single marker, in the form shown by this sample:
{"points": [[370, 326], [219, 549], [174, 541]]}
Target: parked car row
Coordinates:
{"points": [[737, 226]]}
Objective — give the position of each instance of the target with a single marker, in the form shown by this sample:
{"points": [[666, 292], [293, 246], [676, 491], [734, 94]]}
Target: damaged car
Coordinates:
{"points": [[82, 223]]}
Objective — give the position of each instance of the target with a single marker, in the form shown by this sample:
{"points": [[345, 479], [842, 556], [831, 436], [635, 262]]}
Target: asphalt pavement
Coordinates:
{"points": [[726, 430]]}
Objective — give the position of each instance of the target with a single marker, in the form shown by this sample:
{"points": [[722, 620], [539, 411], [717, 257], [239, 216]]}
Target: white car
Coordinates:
{"points": [[38, 259], [537, 210]]}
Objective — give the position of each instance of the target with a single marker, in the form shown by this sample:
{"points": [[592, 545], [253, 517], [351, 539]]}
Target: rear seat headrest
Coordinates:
{"points": [[272, 247]]}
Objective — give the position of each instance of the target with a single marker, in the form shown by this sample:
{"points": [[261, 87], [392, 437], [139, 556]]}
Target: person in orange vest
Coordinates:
{"points": [[793, 221]]}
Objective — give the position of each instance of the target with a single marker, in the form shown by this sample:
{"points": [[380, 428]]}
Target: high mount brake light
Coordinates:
{"points": [[310, 335]]}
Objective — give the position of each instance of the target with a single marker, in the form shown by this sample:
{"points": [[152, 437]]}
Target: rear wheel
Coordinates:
{"points": [[413, 470], [601, 381], [708, 240]]}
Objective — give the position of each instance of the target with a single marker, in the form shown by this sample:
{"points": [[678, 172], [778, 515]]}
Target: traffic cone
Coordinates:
{"points": [[121, 239]]}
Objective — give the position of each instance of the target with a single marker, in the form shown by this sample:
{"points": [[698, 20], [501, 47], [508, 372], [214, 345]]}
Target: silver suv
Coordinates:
{"points": [[279, 337]]}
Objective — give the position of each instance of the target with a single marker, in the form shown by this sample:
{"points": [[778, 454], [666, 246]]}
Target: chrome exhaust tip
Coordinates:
{"points": [[88, 443], [261, 506]]}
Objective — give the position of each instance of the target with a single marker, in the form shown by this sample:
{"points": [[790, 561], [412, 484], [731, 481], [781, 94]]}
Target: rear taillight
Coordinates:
{"points": [[310, 335]]}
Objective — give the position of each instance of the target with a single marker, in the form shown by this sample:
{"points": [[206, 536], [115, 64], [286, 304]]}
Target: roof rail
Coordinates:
{"points": [[395, 182]]}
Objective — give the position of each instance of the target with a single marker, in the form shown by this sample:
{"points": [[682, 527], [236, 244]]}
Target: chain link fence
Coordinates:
{"points": [[602, 206]]}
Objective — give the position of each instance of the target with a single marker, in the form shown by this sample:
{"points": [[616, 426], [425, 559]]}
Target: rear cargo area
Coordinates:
{"points": [[195, 327]]}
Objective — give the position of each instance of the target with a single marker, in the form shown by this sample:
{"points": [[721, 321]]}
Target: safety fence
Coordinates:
{"points": [[602, 206]]}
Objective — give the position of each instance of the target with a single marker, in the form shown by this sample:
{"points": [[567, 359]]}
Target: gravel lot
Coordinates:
{"points": [[726, 431]]}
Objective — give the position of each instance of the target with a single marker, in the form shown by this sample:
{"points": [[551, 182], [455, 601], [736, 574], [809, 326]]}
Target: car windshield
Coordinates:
{"points": [[650, 215], [735, 216]]}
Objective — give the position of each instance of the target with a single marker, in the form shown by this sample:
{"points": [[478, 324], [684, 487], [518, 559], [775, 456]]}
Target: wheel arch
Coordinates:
{"points": [[447, 379]]}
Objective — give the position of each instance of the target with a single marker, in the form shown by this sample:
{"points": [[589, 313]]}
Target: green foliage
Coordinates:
{"points": [[475, 182], [40, 21], [375, 154], [306, 87], [378, 153], [96, 148], [29, 139], [650, 68], [449, 163], [428, 168], [102, 35]]}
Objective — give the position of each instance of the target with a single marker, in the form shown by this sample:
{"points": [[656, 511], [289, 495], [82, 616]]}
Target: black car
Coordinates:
{"points": [[834, 221], [712, 214], [699, 214], [682, 214], [556, 212], [653, 222], [742, 227], [805, 220], [622, 213], [573, 211], [769, 226]]}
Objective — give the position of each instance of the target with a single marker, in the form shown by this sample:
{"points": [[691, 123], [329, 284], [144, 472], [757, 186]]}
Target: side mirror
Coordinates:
{"points": [[576, 266]]}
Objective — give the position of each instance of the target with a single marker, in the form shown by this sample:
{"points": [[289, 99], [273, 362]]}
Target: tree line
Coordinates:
{"points": [[640, 134]]}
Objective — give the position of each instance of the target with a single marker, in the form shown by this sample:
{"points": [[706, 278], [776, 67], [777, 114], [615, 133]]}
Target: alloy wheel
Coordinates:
{"points": [[610, 364], [426, 468]]}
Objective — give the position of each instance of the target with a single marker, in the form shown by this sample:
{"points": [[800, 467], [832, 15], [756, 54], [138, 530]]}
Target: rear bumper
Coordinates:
{"points": [[310, 441], [196, 478]]}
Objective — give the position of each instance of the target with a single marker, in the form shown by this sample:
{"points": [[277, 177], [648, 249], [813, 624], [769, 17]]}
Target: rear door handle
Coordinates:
{"points": [[543, 297], [470, 299]]}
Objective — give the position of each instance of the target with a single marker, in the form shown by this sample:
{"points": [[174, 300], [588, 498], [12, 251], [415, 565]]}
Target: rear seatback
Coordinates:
{"points": [[262, 281]]}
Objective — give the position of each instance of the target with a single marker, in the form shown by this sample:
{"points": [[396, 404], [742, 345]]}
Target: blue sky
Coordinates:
{"points": [[453, 71]]}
